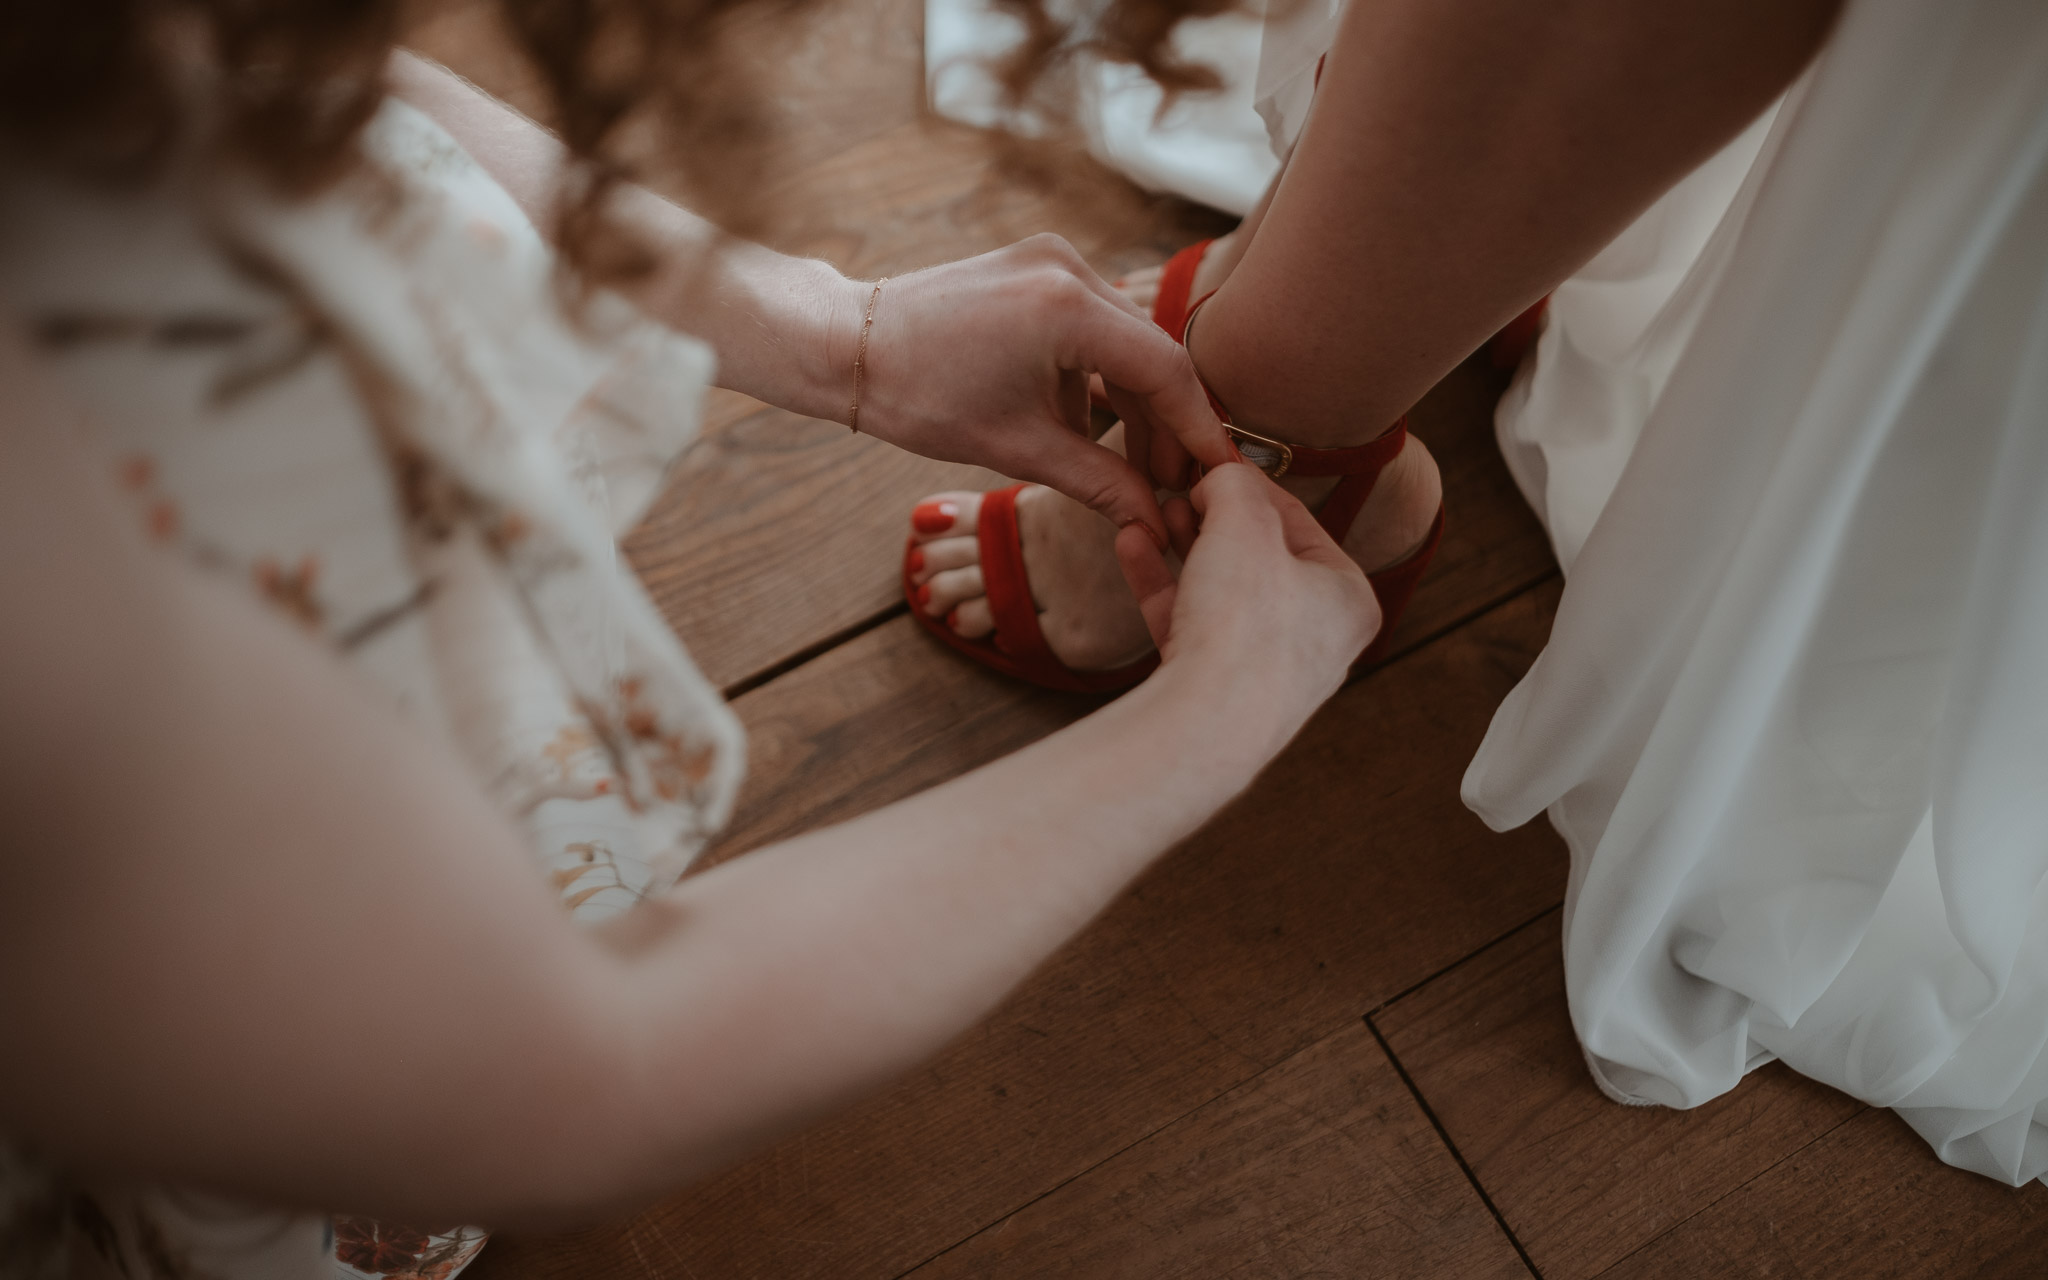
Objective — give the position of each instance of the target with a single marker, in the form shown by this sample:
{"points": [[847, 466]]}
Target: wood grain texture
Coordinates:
{"points": [[1347, 874], [1869, 1200], [778, 532], [1320, 1166], [1581, 1181], [1187, 1088], [893, 711]]}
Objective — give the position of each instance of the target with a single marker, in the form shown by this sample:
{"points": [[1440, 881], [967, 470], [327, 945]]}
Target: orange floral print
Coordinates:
{"points": [[291, 590], [594, 857], [676, 767], [160, 516], [137, 472]]}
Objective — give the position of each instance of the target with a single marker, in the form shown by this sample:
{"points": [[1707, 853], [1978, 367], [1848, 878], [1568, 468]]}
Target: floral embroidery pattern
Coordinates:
{"points": [[386, 429], [676, 767], [138, 475], [402, 1253], [594, 857], [291, 590]]}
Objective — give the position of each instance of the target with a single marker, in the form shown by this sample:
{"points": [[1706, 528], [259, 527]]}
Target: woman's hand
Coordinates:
{"points": [[987, 361], [1264, 588]]}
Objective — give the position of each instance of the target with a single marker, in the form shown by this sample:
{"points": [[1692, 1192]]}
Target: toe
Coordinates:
{"points": [[940, 554], [946, 591], [1140, 286], [973, 619], [945, 515]]}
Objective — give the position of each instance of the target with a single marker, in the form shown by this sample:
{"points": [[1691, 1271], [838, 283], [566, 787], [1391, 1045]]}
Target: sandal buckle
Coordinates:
{"points": [[1270, 456]]}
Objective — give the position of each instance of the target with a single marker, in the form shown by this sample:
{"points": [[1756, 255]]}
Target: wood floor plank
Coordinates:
{"points": [[1582, 1181], [1349, 873], [1320, 1166], [894, 712], [881, 717], [1869, 1200], [776, 533]]}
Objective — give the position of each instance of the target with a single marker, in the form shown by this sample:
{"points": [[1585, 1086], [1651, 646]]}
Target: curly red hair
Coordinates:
{"points": [[96, 84]]}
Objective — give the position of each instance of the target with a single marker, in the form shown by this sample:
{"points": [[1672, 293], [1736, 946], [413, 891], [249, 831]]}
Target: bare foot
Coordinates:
{"points": [[1089, 617], [1087, 613]]}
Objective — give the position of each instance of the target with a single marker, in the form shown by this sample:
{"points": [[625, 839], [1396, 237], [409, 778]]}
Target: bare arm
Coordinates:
{"points": [[1461, 159], [256, 934], [984, 360]]}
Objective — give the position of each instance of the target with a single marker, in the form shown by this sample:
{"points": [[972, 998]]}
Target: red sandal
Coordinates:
{"points": [[1359, 465], [1018, 647]]}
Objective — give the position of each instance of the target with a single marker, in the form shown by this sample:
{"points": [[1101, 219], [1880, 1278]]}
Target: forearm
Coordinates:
{"points": [[783, 327], [816, 969], [1462, 159], [255, 940]]}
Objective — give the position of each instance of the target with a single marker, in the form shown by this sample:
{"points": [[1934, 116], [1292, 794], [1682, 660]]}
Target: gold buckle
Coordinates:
{"points": [[1270, 456]]}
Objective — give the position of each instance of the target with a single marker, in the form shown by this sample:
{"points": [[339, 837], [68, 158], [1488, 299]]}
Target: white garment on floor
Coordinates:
{"points": [[1217, 148], [1793, 716]]}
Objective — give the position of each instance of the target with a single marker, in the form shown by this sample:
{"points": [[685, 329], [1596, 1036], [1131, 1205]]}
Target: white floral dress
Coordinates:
{"points": [[377, 410]]}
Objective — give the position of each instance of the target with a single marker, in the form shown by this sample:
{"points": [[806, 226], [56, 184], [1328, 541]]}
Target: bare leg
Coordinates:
{"points": [[1142, 286], [1460, 160]]}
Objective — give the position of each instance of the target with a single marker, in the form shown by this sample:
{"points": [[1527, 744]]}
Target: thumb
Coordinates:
{"points": [[1150, 580], [1098, 478]]}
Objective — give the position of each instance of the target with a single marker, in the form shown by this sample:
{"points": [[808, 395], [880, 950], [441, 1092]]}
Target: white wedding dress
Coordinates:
{"points": [[1793, 716], [1789, 434]]}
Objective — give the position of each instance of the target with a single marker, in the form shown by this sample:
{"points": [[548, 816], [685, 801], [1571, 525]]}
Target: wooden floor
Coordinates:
{"points": [[1327, 1037]]}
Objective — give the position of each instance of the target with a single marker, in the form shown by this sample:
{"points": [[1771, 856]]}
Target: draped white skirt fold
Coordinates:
{"points": [[1793, 717]]}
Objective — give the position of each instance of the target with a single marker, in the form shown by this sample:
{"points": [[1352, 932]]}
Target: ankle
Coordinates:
{"points": [[1273, 406]]}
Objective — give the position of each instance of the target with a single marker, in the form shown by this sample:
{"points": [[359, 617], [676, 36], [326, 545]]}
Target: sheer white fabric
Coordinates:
{"points": [[1218, 148], [1611, 335], [1792, 720]]}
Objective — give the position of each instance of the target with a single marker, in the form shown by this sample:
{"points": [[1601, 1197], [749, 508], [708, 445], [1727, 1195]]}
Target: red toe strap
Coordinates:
{"points": [[1007, 586]]}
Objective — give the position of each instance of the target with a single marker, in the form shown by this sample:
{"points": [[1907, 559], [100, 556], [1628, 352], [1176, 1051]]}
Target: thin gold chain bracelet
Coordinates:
{"points": [[860, 355]]}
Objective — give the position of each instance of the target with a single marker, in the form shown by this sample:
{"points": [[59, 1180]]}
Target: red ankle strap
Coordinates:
{"points": [[1285, 459], [1354, 460]]}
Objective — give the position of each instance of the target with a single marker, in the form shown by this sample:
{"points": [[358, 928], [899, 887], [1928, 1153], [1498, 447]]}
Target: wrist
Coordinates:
{"points": [[1243, 714], [823, 310], [780, 325]]}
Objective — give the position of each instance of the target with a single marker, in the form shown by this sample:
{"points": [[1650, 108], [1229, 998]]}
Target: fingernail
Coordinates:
{"points": [[916, 560], [924, 594], [934, 517]]}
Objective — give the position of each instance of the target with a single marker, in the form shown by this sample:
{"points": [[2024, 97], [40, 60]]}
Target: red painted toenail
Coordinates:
{"points": [[916, 560], [924, 594], [934, 517], [953, 619]]}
